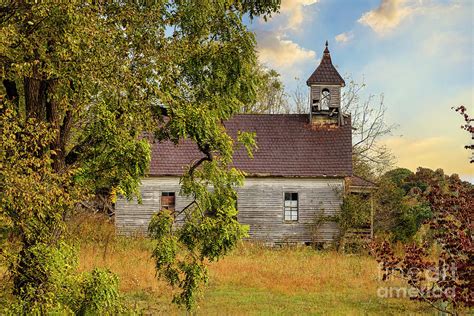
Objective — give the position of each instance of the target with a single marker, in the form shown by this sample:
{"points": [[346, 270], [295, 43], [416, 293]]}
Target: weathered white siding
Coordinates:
{"points": [[260, 204], [131, 217]]}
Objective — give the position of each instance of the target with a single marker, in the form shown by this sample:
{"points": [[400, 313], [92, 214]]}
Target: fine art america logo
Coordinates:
{"points": [[430, 277]]}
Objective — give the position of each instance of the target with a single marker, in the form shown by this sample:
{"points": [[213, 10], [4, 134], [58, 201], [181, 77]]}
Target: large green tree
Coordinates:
{"points": [[99, 76]]}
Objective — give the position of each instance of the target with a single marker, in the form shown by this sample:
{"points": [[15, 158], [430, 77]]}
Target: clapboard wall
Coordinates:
{"points": [[260, 203], [133, 217]]}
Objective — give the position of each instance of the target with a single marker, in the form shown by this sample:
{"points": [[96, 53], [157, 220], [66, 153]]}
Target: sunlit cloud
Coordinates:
{"points": [[387, 16], [391, 13], [344, 37], [292, 12], [277, 51], [277, 48]]}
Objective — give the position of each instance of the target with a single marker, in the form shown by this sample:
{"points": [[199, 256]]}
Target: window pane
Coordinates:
{"points": [[291, 206]]}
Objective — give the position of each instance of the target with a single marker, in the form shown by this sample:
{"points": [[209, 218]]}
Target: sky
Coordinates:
{"points": [[418, 53]]}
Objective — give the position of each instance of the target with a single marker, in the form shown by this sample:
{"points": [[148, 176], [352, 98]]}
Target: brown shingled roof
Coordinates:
{"points": [[287, 146], [326, 73], [356, 181]]}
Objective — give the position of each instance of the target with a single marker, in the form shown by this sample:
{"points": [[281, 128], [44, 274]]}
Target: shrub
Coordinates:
{"points": [[62, 290], [100, 294]]}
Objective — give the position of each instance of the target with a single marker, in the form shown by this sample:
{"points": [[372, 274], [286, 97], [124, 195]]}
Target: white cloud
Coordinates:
{"points": [[293, 12], [276, 51], [391, 13], [388, 15], [344, 37]]}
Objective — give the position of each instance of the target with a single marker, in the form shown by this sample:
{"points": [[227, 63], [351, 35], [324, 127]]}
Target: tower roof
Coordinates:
{"points": [[326, 73]]}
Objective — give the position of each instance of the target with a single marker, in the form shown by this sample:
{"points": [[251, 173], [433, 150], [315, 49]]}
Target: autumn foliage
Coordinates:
{"points": [[467, 126], [445, 282]]}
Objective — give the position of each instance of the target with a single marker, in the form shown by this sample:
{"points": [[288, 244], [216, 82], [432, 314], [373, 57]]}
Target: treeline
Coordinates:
{"points": [[402, 207]]}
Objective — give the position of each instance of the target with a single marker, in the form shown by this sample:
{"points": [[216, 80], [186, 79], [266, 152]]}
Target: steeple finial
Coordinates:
{"points": [[326, 50], [325, 74]]}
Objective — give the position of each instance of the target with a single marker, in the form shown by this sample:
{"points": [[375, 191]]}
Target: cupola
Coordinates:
{"points": [[325, 92]]}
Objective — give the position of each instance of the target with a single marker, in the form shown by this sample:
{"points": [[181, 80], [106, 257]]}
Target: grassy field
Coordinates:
{"points": [[251, 280]]}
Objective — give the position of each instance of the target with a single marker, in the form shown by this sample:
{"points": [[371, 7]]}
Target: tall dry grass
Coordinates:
{"points": [[291, 270], [245, 281], [130, 258]]}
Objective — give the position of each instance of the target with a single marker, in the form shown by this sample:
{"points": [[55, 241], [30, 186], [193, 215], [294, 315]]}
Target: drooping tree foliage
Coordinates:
{"points": [[84, 82]]}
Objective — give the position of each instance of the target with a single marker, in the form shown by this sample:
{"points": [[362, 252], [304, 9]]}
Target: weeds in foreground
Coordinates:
{"points": [[253, 279]]}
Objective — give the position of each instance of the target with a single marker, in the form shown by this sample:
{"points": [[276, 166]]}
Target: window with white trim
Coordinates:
{"points": [[291, 206]]}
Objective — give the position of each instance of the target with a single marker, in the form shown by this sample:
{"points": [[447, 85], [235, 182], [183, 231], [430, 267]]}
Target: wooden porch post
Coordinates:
{"points": [[371, 215]]}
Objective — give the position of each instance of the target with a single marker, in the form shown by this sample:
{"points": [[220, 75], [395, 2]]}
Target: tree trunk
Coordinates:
{"points": [[35, 98], [53, 117], [40, 103]]}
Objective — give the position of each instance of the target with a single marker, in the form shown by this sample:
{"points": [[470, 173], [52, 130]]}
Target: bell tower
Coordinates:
{"points": [[325, 92]]}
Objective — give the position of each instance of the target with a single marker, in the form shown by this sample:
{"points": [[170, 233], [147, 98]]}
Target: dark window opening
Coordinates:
{"points": [[168, 200], [315, 106], [291, 206]]}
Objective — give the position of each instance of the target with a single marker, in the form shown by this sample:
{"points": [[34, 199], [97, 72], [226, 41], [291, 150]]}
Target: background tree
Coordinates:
{"points": [[467, 127], [399, 212], [98, 76], [271, 97], [369, 122], [300, 98], [445, 280]]}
